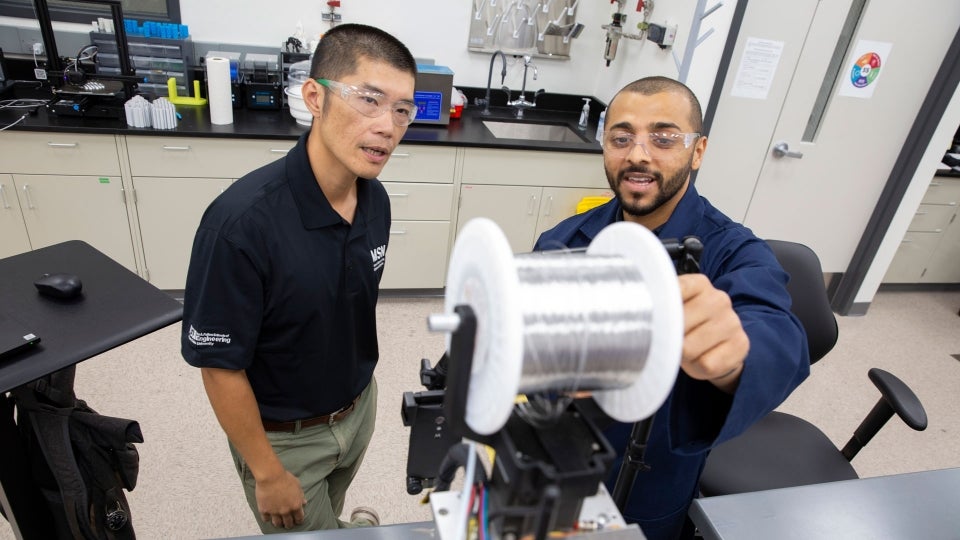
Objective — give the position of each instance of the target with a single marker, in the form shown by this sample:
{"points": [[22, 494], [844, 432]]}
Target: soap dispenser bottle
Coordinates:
{"points": [[584, 115], [600, 123]]}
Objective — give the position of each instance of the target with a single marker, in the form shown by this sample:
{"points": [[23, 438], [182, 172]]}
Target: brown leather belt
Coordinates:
{"points": [[294, 426]]}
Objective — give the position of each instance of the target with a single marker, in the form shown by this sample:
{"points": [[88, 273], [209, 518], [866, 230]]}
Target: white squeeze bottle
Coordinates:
{"points": [[603, 116], [584, 114]]}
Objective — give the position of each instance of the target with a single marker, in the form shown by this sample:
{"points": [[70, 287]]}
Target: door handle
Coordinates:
{"points": [[782, 149]]}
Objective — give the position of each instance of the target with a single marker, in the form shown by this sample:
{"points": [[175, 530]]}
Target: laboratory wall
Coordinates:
{"points": [[439, 29]]}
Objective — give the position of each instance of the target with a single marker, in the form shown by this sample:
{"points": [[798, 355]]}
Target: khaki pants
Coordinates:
{"points": [[325, 459]]}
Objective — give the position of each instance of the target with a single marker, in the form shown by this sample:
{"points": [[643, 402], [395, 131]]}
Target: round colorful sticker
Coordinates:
{"points": [[865, 70]]}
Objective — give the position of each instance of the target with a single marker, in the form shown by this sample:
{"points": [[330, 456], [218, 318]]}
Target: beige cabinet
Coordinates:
{"points": [[514, 208], [64, 186], [557, 204], [930, 250], [527, 192], [175, 179], [193, 157], [169, 210], [13, 239], [419, 181], [522, 212], [89, 208]]}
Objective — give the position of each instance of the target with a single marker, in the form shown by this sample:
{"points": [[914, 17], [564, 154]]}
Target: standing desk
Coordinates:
{"points": [[116, 306], [897, 507]]}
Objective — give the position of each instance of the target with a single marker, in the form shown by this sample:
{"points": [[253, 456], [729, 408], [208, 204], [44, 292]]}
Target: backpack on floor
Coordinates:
{"points": [[85, 459]]}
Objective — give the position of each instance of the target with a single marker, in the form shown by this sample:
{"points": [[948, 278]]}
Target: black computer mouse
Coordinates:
{"points": [[59, 285]]}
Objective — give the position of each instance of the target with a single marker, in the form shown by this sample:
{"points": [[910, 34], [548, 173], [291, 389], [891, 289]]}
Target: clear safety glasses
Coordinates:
{"points": [[373, 104]]}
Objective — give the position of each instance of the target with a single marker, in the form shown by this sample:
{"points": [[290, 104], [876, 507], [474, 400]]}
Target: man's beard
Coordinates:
{"points": [[666, 188]]}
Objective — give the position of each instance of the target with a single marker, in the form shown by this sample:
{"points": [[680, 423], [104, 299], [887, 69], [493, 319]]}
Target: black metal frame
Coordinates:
{"points": [[50, 42], [81, 15]]}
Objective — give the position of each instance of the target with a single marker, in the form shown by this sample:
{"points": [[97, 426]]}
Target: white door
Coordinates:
{"points": [[837, 84]]}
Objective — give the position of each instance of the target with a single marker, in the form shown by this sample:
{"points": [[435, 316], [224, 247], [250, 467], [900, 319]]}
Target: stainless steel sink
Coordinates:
{"points": [[533, 131]]}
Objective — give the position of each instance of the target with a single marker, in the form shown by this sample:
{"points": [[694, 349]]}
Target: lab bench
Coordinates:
{"points": [[138, 194]]}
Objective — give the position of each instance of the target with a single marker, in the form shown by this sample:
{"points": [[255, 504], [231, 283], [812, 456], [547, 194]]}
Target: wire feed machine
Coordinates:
{"points": [[539, 347]]}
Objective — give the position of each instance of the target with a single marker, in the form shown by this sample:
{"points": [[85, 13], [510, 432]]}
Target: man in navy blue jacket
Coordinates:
{"points": [[743, 351]]}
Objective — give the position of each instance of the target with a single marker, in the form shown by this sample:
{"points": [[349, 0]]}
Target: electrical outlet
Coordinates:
{"points": [[38, 48]]}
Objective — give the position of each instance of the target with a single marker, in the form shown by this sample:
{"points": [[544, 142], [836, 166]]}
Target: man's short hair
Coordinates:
{"points": [[649, 86], [341, 48]]}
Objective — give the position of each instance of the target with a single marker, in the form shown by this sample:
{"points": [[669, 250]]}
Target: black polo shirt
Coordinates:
{"points": [[281, 286]]}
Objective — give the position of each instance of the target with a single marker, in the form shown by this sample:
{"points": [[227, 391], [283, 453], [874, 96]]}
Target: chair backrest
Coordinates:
{"points": [[809, 295]]}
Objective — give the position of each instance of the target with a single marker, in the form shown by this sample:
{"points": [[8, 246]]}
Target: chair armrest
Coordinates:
{"points": [[895, 397], [904, 402]]}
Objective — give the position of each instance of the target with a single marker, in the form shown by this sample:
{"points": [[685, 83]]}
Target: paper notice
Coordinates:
{"points": [[758, 65]]}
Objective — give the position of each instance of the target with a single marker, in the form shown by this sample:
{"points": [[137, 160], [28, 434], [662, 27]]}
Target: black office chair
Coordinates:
{"points": [[782, 450]]}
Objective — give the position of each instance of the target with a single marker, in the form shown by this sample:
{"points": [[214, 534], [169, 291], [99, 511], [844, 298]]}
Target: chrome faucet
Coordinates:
{"points": [[503, 76], [521, 103]]}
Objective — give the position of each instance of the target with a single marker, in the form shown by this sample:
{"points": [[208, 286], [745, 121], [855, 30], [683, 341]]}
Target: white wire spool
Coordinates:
{"points": [[619, 337], [651, 388]]}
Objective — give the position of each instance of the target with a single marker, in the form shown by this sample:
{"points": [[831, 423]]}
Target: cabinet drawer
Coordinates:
{"points": [[412, 163], [943, 190], [422, 202], [932, 218], [911, 259], [533, 168], [188, 157], [417, 256], [59, 153]]}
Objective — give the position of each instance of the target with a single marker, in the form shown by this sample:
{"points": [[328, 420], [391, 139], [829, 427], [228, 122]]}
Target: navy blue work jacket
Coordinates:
{"points": [[697, 416]]}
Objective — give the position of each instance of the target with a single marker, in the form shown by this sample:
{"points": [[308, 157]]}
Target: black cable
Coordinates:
{"points": [[457, 457]]}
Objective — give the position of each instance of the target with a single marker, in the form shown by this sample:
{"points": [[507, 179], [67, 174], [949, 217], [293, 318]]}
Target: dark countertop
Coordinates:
{"points": [[263, 124]]}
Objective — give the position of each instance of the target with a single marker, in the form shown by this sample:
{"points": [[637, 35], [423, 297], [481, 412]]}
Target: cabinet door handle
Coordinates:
{"points": [[401, 154], [62, 145], [920, 214], [398, 195], [278, 151], [549, 208], [3, 197], [26, 193], [176, 148], [398, 232], [533, 199]]}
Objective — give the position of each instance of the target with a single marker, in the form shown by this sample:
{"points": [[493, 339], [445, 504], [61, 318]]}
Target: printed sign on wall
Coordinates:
{"points": [[758, 65], [864, 68]]}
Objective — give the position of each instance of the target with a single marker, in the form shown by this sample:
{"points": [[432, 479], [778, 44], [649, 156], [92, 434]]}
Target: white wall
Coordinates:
{"points": [[439, 29]]}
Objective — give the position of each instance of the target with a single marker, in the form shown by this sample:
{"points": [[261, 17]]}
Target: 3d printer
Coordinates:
{"points": [[77, 89], [555, 327]]}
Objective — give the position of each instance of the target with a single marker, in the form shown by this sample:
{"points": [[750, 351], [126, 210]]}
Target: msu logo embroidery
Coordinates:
{"points": [[378, 255]]}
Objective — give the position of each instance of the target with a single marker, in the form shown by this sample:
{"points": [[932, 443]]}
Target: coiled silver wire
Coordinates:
{"points": [[586, 326]]}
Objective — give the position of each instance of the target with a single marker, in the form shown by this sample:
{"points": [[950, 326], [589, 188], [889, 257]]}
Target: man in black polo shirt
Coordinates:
{"points": [[280, 300]]}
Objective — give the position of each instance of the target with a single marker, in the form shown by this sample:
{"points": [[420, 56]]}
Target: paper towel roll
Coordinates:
{"points": [[219, 93]]}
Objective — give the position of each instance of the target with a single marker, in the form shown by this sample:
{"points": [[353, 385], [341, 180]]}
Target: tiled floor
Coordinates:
{"points": [[188, 488]]}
